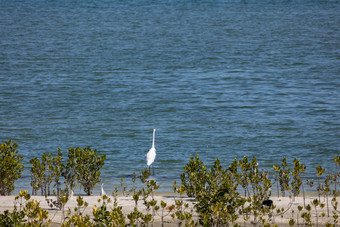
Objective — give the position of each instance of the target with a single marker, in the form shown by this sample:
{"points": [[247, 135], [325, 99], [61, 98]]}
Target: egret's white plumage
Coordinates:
{"points": [[151, 155], [102, 192]]}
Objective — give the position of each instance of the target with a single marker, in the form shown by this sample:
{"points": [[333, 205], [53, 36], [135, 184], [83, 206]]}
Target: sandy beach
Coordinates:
{"points": [[290, 208]]}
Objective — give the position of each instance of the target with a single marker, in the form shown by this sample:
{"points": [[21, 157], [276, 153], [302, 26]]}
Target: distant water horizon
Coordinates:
{"points": [[220, 79]]}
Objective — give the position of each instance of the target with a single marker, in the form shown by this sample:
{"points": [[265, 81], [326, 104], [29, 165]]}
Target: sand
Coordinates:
{"points": [[127, 203]]}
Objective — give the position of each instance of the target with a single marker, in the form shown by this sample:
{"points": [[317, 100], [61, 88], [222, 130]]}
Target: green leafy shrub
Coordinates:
{"points": [[10, 167], [216, 192], [83, 166], [296, 173], [103, 217], [283, 176], [194, 177], [41, 174], [78, 218], [180, 209], [44, 171], [244, 177], [37, 175], [337, 163], [260, 190], [217, 200], [29, 213]]}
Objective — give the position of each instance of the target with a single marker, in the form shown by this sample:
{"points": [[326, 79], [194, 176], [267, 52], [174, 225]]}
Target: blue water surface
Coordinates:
{"points": [[221, 79]]}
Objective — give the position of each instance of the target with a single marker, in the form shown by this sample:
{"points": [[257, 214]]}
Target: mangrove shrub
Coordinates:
{"points": [[10, 167], [84, 165]]}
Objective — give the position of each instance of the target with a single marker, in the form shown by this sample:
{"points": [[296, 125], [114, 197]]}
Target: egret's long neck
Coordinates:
{"points": [[153, 138]]}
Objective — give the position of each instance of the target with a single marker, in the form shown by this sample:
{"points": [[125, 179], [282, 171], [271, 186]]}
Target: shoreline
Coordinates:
{"points": [[127, 203]]}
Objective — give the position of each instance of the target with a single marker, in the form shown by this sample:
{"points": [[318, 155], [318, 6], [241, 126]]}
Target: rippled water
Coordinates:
{"points": [[221, 79]]}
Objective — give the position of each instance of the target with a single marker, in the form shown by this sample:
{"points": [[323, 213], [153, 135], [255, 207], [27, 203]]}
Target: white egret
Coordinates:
{"points": [[151, 155], [102, 192]]}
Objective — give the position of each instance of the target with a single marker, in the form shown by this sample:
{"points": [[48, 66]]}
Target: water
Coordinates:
{"points": [[221, 79]]}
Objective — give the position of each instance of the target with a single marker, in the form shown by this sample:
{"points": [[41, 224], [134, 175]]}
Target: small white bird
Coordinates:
{"points": [[151, 155], [102, 192]]}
